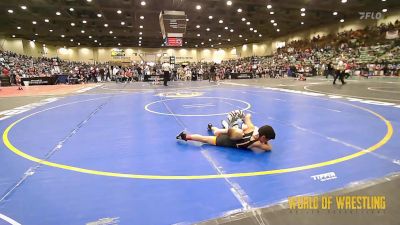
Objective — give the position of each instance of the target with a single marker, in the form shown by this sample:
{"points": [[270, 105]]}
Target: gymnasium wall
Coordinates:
{"points": [[267, 47]]}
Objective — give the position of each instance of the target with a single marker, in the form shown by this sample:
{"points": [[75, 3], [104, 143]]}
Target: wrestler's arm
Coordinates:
{"points": [[259, 145]]}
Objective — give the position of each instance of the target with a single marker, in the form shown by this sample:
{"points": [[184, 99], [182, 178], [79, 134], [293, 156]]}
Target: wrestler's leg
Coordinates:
{"points": [[196, 137]]}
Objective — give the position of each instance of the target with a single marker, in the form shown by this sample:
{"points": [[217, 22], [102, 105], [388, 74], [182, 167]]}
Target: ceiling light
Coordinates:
{"points": [[275, 24], [140, 33], [119, 11], [110, 32], [119, 44], [248, 23], [10, 11], [196, 46], [105, 25], [272, 13], [210, 17], [13, 36], [229, 3], [34, 22], [142, 17], [198, 35], [99, 15], [141, 27], [239, 10], [302, 14], [58, 13], [36, 34], [243, 19], [84, 21], [344, 1], [187, 20], [122, 23], [212, 46], [72, 40], [229, 39], [140, 44], [202, 43], [95, 41], [89, 0], [255, 31], [198, 26], [82, 31], [79, 43], [198, 7], [143, 3], [384, 10], [23, 7], [210, 39], [260, 35], [99, 43], [219, 35], [90, 37], [221, 21], [46, 20], [251, 28], [71, 9], [302, 23], [226, 28], [231, 30], [51, 30], [278, 30], [115, 37], [208, 29], [240, 35], [73, 24], [269, 6], [62, 35], [303, 9], [342, 20], [334, 13], [272, 21], [19, 28], [140, 38]]}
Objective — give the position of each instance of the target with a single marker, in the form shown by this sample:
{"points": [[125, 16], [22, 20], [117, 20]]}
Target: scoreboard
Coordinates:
{"points": [[173, 27], [173, 41]]}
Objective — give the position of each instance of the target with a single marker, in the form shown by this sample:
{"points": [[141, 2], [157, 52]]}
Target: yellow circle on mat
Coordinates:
{"points": [[374, 147]]}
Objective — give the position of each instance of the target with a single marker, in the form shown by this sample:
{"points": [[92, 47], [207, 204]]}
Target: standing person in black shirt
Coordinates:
{"points": [[212, 73], [101, 71]]}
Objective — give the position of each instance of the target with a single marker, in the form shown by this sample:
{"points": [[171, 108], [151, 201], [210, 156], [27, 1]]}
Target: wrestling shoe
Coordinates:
{"points": [[209, 126], [181, 136], [224, 124]]}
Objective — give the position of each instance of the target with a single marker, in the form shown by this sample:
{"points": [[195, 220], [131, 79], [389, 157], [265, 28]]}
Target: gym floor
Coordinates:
{"points": [[107, 153]]}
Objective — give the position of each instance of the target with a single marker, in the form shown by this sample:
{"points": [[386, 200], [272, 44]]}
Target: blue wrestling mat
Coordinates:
{"points": [[114, 159]]}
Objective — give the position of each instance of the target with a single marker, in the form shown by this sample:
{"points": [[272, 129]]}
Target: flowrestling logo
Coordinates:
{"points": [[370, 15]]}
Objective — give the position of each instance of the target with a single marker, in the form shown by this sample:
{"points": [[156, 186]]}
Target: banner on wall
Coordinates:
{"points": [[280, 44], [117, 52], [392, 34]]}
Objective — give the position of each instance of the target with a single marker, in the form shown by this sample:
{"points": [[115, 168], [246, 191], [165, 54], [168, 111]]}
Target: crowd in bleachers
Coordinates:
{"points": [[365, 52]]}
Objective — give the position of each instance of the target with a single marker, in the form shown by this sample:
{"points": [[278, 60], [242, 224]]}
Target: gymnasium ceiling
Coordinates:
{"points": [[100, 23]]}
